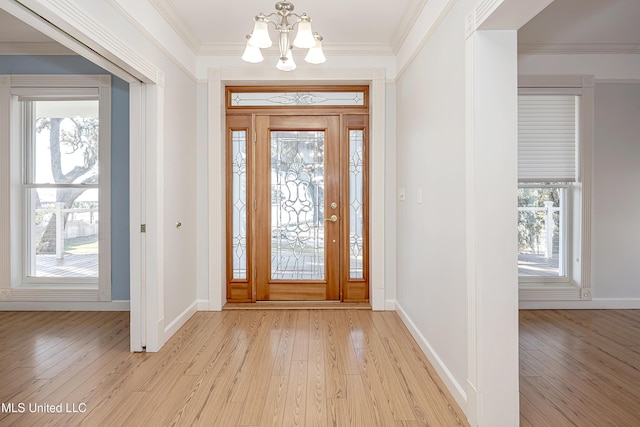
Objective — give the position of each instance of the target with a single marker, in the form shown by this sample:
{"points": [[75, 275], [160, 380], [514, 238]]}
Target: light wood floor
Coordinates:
{"points": [[237, 367], [580, 368]]}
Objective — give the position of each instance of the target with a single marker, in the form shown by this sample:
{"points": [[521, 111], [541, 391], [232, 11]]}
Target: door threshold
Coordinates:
{"points": [[297, 305]]}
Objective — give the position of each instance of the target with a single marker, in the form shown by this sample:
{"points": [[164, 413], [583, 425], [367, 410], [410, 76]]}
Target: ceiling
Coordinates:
{"points": [[354, 24], [210, 27], [585, 22]]}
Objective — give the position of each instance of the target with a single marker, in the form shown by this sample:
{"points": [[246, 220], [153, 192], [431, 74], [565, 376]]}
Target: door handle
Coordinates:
{"points": [[332, 218]]}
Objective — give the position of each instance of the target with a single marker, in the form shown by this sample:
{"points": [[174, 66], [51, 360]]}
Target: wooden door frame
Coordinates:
{"points": [[244, 119]]}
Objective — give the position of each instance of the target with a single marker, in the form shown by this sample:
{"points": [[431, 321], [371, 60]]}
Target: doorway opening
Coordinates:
{"points": [[297, 193]]}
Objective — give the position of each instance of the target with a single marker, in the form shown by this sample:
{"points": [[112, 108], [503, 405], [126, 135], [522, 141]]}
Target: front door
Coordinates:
{"points": [[298, 207], [297, 194]]}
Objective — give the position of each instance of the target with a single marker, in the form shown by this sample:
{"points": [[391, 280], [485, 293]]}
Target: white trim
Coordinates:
{"points": [[45, 26], [188, 54], [621, 81], [34, 48], [216, 193], [408, 21], [87, 26], [585, 84], [170, 14], [560, 81], [586, 150], [218, 79], [505, 14], [137, 281], [178, 322], [122, 305], [104, 187], [548, 293], [390, 305], [492, 328], [455, 388], [10, 290], [203, 305], [5, 186], [330, 49], [153, 179], [579, 48], [425, 25], [594, 304]]}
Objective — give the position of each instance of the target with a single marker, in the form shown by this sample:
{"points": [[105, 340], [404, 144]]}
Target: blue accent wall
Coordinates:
{"points": [[62, 64]]}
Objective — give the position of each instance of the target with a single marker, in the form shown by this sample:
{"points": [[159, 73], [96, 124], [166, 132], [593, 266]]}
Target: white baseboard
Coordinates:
{"points": [[377, 299], [390, 305], [454, 387], [65, 305], [179, 321], [203, 304], [594, 304]]}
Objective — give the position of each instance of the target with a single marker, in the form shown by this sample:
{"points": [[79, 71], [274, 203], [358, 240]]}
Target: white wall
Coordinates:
{"points": [[616, 221], [431, 285]]}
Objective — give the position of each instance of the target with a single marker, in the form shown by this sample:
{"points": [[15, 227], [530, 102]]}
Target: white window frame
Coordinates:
{"points": [[13, 284], [565, 249], [577, 284]]}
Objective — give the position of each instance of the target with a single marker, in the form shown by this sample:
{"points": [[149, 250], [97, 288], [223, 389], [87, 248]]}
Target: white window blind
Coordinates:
{"points": [[547, 138]]}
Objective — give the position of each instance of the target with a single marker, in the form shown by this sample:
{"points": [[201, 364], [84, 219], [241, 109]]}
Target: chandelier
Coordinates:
{"points": [[284, 20]]}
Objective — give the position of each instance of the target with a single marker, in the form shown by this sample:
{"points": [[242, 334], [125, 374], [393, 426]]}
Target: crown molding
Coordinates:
{"points": [[579, 48], [172, 16], [335, 49], [34, 48], [79, 25], [407, 22]]}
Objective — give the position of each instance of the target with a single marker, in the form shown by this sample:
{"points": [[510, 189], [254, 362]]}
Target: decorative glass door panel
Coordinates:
{"points": [[297, 207]]}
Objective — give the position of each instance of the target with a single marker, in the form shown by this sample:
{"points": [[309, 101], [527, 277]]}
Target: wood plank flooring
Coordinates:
{"points": [[231, 368], [580, 368]]}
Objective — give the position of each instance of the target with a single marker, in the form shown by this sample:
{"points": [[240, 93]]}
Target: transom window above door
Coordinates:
{"points": [[267, 97]]}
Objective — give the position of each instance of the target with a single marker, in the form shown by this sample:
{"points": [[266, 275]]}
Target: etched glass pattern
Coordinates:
{"points": [[297, 205], [239, 203], [274, 99], [356, 211]]}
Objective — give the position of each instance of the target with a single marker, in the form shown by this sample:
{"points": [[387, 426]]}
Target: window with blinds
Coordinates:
{"points": [[547, 138]]}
